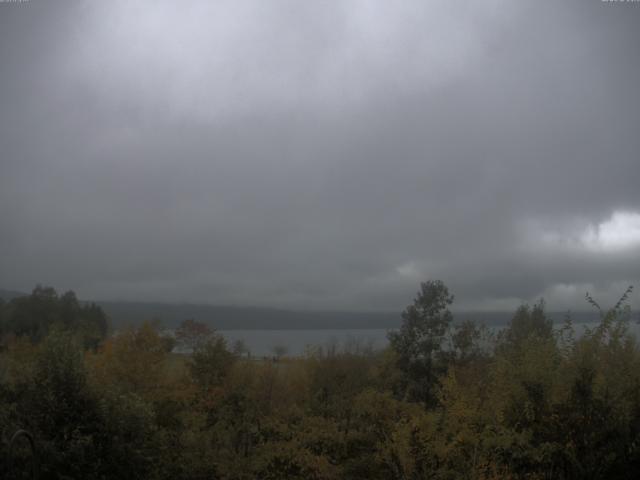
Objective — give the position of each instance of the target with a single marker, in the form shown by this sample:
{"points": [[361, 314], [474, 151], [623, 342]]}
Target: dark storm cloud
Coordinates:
{"points": [[320, 155]]}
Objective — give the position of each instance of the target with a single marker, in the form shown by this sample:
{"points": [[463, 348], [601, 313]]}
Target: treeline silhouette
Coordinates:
{"points": [[445, 400]]}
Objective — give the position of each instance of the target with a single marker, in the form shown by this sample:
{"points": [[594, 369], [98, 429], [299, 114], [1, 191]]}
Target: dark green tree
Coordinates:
{"points": [[62, 408], [3, 321], [466, 341], [527, 322], [35, 315], [211, 362], [418, 344]]}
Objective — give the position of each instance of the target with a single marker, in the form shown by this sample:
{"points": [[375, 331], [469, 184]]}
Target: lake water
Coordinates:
{"points": [[296, 342]]}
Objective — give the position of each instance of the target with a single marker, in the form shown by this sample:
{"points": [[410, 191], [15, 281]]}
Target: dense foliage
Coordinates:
{"points": [[446, 400], [34, 316]]}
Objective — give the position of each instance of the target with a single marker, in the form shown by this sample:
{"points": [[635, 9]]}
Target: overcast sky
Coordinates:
{"points": [[321, 154]]}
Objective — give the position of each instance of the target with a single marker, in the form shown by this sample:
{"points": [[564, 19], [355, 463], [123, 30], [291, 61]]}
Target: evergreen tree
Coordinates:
{"points": [[418, 344]]}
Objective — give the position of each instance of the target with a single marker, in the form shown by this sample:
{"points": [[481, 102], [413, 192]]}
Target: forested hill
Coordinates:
{"points": [[243, 318], [257, 318], [7, 295], [123, 313]]}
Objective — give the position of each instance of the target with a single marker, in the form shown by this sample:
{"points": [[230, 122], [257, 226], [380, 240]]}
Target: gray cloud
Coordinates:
{"points": [[320, 155]]}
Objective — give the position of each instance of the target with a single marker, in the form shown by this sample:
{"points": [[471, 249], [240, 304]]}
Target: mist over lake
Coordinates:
{"points": [[299, 342]]}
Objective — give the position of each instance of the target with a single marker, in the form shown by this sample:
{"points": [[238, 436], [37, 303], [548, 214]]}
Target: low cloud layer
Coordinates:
{"points": [[321, 155]]}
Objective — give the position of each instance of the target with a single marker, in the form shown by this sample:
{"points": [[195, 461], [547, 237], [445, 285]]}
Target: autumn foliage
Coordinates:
{"points": [[446, 400]]}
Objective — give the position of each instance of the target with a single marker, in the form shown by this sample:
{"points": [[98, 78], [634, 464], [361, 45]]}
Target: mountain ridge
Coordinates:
{"points": [[227, 317]]}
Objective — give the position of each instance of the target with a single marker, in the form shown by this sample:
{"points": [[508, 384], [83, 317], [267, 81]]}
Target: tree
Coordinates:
{"points": [[63, 409], [211, 362], [192, 334], [279, 351], [418, 343], [36, 314], [527, 322], [3, 313], [240, 348], [93, 325], [33, 315], [466, 342], [134, 360]]}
